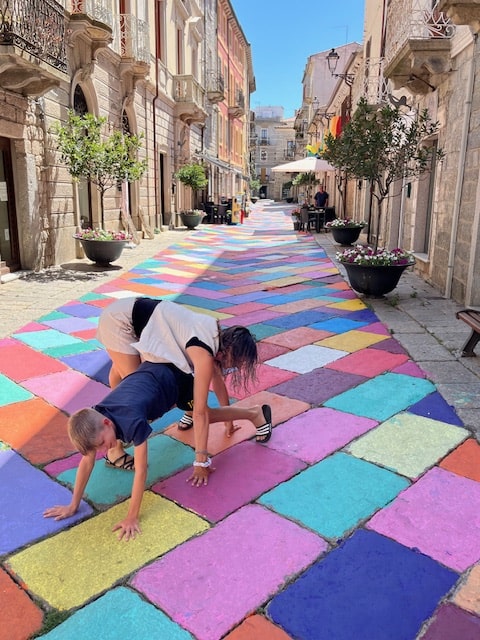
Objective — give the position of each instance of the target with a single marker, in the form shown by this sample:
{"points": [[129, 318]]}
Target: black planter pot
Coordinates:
{"points": [[346, 235], [374, 281], [103, 252], [191, 220]]}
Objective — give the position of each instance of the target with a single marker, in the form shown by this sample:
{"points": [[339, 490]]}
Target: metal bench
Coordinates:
{"points": [[472, 318]]}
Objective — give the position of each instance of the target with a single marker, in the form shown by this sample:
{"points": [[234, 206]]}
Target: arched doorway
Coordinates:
{"points": [[80, 108]]}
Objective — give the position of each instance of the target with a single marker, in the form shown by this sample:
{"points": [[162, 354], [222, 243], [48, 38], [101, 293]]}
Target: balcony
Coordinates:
{"points": [[417, 45], [215, 88], [189, 98], [92, 22], [33, 58], [375, 86], [462, 12], [131, 41], [264, 141], [237, 109]]}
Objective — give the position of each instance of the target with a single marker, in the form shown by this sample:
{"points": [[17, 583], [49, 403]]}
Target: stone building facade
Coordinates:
{"points": [[150, 68]]}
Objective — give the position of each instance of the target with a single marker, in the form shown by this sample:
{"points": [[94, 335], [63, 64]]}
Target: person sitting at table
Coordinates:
{"points": [[321, 198]]}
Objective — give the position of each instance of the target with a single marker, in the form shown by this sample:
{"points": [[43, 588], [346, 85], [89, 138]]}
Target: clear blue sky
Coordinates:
{"points": [[284, 33]]}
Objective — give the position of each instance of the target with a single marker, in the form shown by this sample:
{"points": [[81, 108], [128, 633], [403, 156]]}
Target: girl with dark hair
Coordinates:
{"points": [[135, 330]]}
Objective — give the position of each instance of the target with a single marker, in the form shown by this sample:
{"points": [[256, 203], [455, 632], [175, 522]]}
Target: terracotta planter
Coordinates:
{"points": [[346, 235], [374, 281], [103, 252]]}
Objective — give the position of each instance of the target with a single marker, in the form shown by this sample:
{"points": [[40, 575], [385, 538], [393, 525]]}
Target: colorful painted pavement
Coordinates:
{"points": [[359, 520]]}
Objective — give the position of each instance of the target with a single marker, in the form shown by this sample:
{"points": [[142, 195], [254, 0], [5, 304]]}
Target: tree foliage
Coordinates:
{"points": [[193, 176], [382, 145], [93, 154]]}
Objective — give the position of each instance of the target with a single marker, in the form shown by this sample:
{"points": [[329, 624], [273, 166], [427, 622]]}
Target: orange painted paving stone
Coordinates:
{"points": [[464, 460], [19, 617], [257, 628], [36, 429]]}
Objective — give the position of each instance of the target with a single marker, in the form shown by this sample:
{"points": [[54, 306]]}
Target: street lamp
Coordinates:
{"points": [[332, 60]]}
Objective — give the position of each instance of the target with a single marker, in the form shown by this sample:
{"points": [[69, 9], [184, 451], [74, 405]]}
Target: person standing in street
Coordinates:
{"points": [[321, 198]]}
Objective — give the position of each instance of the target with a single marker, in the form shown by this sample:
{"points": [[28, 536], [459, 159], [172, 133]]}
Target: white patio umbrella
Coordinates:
{"points": [[310, 163]]}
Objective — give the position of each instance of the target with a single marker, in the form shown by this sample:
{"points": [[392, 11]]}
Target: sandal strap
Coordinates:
{"points": [[185, 421], [264, 430]]}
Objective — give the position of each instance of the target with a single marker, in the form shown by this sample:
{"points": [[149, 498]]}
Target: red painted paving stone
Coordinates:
{"points": [[267, 377], [257, 627], [299, 337], [368, 363], [268, 351], [19, 616], [38, 431], [85, 334], [464, 461], [20, 362]]}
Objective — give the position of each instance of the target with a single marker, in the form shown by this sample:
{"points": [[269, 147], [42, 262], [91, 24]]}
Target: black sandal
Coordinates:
{"points": [[185, 422], [125, 462], [264, 433]]}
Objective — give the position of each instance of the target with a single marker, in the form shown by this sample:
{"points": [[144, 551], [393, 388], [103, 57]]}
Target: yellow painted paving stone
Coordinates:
{"points": [[351, 340], [284, 282], [408, 444], [76, 565], [349, 305], [208, 312]]}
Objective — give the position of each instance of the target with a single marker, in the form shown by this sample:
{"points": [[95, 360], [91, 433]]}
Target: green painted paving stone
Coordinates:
{"points": [[334, 495], [383, 396], [73, 348], [46, 339], [107, 486], [10, 392], [408, 444], [120, 613], [54, 315]]}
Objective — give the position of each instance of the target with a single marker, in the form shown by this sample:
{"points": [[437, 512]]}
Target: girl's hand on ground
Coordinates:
{"points": [[128, 529], [230, 429], [59, 512], [200, 476]]}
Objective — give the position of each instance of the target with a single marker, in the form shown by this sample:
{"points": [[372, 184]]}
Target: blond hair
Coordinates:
{"points": [[84, 427]]}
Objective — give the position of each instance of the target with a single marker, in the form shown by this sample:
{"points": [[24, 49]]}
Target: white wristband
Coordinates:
{"points": [[205, 464]]}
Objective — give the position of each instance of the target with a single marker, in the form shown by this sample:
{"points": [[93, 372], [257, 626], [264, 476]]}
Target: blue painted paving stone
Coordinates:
{"points": [[369, 588], [434, 406], [120, 613]]}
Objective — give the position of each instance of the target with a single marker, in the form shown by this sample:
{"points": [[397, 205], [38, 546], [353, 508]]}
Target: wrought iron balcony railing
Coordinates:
{"points": [[131, 38], [375, 85], [414, 20], [215, 87], [36, 27], [98, 10]]}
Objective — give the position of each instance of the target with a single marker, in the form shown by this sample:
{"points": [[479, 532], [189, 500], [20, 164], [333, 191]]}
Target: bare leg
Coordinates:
{"points": [[257, 414]]}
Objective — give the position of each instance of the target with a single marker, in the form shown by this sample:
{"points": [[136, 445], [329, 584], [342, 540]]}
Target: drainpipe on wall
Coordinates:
{"points": [[460, 177]]}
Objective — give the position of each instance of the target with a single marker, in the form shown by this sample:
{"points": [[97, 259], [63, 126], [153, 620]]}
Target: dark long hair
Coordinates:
{"points": [[239, 345]]}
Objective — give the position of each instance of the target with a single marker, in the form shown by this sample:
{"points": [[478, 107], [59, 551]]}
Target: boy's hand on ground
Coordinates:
{"points": [[200, 476], [230, 429], [59, 513], [128, 529]]}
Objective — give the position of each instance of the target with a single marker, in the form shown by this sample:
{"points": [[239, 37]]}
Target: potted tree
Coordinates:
{"points": [[382, 145], [192, 175], [104, 159]]}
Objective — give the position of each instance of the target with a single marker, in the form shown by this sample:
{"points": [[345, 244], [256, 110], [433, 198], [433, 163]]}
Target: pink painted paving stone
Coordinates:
{"points": [[433, 516], [315, 434], [228, 572], [259, 468]]}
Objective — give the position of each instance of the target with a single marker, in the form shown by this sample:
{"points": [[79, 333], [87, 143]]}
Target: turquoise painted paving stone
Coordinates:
{"points": [[166, 456], [408, 444], [50, 338], [382, 396], [120, 613], [72, 348], [90, 297], [54, 315], [334, 495], [11, 392], [369, 588]]}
